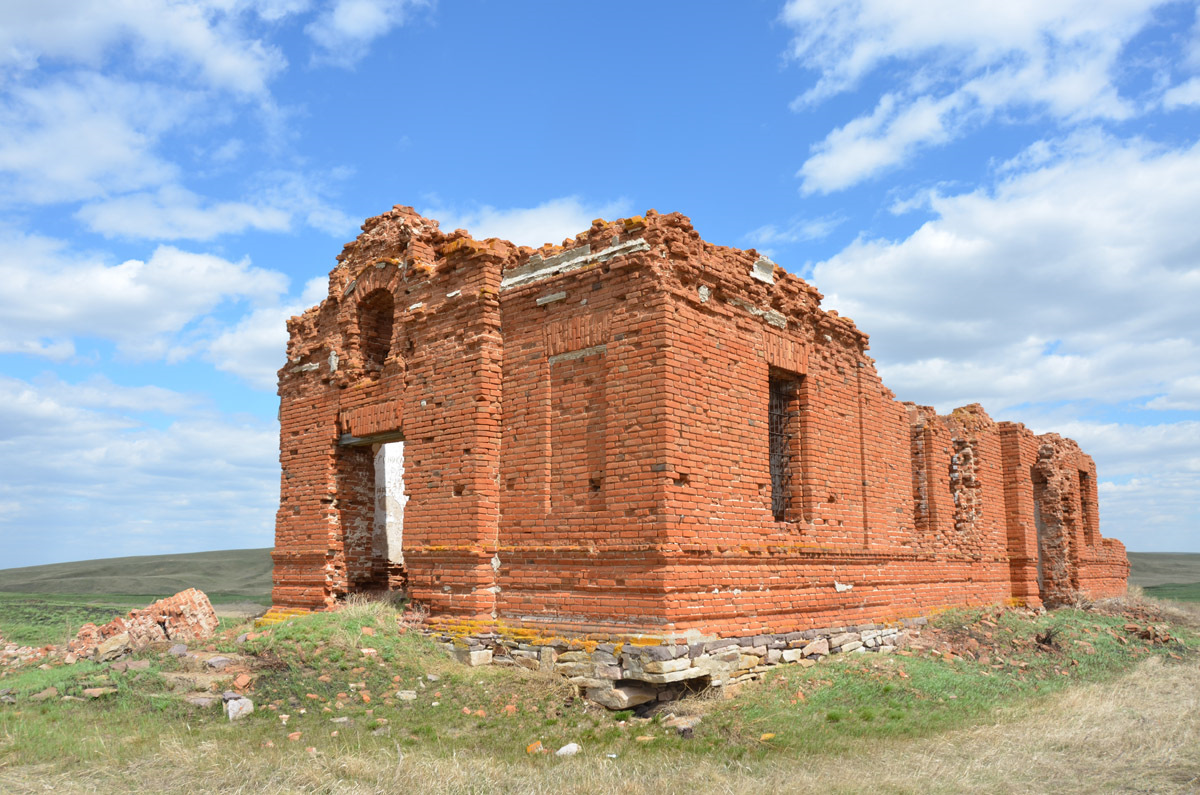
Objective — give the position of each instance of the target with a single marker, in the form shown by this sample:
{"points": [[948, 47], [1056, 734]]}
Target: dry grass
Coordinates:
{"points": [[1184, 614], [1135, 734]]}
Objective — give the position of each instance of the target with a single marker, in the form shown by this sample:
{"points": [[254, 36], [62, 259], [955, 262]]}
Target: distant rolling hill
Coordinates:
{"points": [[1161, 568], [247, 573], [233, 572]]}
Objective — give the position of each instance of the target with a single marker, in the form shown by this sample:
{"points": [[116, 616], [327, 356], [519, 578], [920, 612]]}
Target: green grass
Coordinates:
{"points": [[1148, 569], [312, 669], [238, 572], [835, 706], [40, 619], [1189, 592]]}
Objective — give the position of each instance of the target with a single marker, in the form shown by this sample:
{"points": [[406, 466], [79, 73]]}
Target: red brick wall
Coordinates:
{"points": [[587, 446]]}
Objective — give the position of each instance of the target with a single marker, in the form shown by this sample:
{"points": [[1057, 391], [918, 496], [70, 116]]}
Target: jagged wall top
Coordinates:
{"points": [[404, 238]]}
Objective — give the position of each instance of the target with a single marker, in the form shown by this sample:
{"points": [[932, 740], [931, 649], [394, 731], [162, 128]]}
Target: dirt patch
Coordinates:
{"points": [[239, 610]]}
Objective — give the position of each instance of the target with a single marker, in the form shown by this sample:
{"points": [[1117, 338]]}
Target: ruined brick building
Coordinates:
{"points": [[640, 432]]}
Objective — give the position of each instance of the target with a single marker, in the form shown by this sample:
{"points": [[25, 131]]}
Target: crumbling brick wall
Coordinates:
{"points": [[638, 431]]}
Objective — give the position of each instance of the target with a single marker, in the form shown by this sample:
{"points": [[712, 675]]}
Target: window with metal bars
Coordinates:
{"points": [[783, 423]]}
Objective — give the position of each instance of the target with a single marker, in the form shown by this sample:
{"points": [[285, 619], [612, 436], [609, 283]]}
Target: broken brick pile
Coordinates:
{"points": [[186, 616], [641, 433]]}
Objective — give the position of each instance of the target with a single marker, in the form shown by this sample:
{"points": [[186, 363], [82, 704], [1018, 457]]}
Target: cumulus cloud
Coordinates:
{"points": [[1185, 94], [256, 346], [1182, 394], [549, 222], [53, 296], [1075, 278], [175, 213], [84, 477], [1150, 475], [204, 39], [964, 64], [868, 145], [98, 99], [345, 29], [280, 200], [84, 135]]}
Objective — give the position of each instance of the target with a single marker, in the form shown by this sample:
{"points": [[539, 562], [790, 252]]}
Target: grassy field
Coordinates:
{"points": [[243, 573], [1166, 575], [1161, 568], [1180, 593], [48, 604], [1100, 710]]}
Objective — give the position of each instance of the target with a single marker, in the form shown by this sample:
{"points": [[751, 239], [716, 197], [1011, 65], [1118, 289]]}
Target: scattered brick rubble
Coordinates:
{"points": [[186, 616]]}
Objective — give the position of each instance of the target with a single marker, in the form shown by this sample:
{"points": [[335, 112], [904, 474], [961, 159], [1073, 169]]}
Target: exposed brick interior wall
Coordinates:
{"points": [[588, 445]]}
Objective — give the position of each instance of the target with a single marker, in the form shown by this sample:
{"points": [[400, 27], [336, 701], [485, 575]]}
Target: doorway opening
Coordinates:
{"points": [[387, 539]]}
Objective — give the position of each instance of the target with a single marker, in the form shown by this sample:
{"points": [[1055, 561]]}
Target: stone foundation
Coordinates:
{"points": [[626, 673]]}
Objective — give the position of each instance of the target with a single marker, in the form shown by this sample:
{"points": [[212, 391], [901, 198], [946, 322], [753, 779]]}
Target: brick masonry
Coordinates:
{"points": [[587, 448]]}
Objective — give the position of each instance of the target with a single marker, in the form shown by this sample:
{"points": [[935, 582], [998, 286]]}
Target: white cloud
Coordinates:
{"points": [[1167, 448], [346, 28], [870, 144], [796, 231], [98, 392], [845, 40], [84, 135], [963, 63], [1076, 278], [1182, 394], [229, 151], [142, 306], [1185, 94], [304, 196], [174, 213], [549, 222], [256, 347], [1149, 479], [1154, 513], [82, 477], [206, 39]]}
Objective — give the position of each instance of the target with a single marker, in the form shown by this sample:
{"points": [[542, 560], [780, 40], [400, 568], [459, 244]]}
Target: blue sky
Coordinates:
{"points": [[1006, 198]]}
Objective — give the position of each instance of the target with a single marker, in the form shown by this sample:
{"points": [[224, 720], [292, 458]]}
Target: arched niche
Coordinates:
{"points": [[376, 313]]}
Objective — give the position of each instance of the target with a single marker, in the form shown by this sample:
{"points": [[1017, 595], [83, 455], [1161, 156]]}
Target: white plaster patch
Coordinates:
{"points": [[772, 316], [842, 587], [538, 268], [763, 270]]}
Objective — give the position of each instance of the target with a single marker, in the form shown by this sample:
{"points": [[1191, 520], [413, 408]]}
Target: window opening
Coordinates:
{"points": [[1085, 506], [783, 423]]}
